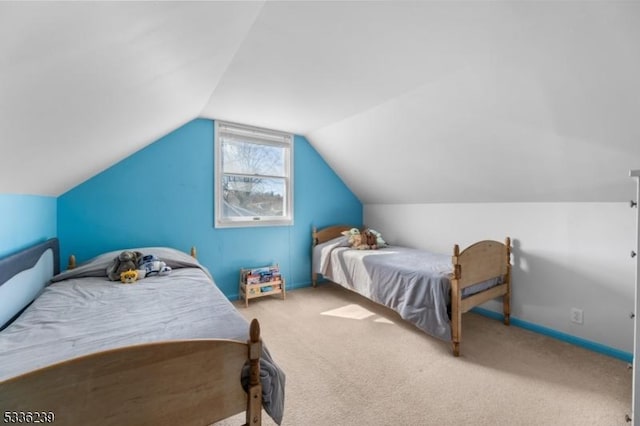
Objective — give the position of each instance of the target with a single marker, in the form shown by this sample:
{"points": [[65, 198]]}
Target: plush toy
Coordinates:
{"points": [[129, 277], [354, 236], [127, 260], [150, 265], [369, 239], [379, 241], [355, 239]]}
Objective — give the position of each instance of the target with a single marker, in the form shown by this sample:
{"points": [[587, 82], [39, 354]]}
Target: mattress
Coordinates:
{"points": [[82, 312]]}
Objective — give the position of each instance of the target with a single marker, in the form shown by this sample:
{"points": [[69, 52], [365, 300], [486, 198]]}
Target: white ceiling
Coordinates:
{"points": [[409, 102]]}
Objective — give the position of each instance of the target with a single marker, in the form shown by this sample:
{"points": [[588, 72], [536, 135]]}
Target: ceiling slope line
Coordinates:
{"points": [[242, 42], [402, 94]]}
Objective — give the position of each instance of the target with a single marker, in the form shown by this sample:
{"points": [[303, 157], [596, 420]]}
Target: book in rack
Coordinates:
{"points": [[259, 282]]}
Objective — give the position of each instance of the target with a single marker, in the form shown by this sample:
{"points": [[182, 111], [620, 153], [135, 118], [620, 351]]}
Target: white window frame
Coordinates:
{"points": [[262, 137]]}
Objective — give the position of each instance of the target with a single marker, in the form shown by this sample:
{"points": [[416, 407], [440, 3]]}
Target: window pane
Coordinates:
{"points": [[252, 158], [253, 196], [253, 176]]}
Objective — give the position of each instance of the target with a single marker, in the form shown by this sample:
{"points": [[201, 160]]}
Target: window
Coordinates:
{"points": [[253, 179]]}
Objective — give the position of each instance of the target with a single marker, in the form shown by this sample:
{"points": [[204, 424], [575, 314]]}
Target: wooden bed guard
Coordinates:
{"points": [[185, 382], [477, 263]]}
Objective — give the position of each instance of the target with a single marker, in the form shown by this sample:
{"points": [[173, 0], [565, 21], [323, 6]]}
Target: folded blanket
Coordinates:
{"points": [[272, 379]]}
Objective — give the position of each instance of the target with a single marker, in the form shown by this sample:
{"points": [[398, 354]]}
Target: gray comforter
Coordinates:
{"points": [[412, 282], [83, 312], [415, 283]]}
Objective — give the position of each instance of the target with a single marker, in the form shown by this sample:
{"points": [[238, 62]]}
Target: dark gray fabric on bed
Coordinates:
{"points": [[23, 275], [13, 264], [83, 312], [424, 291], [412, 282]]}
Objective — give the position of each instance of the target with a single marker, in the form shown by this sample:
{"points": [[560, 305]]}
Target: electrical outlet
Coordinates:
{"points": [[576, 315]]}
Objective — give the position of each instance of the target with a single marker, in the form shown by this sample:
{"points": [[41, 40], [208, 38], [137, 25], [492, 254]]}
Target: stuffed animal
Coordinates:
{"points": [[129, 277], [380, 242], [355, 239], [354, 236], [369, 239], [127, 260], [150, 265]]}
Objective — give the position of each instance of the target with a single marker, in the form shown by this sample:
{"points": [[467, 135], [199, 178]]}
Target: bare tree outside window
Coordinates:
{"points": [[254, 177]]}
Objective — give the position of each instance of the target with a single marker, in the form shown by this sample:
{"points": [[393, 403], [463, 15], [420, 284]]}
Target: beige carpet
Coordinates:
{"points": [[351, 362]]}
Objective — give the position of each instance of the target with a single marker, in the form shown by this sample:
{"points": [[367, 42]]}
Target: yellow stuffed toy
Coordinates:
{"points": [[129, 277]]}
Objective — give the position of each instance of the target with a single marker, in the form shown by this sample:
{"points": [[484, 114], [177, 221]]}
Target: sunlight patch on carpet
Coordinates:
{"points": [[349, 311], [383, 320]]}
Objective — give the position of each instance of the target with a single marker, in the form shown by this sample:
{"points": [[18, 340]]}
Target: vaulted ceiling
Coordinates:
{"points": [[409, 102]]}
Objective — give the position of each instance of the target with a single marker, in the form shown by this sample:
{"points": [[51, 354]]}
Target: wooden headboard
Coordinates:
{"points": [[328, 233]]}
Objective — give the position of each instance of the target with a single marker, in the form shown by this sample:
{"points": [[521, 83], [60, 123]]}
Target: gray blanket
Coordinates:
{"points": [[417, 286], [414, 283], [83, 312]]}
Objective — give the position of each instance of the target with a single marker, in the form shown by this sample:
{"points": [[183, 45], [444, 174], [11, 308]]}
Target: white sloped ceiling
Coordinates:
{"points": [[410, 102], [84, 84]]}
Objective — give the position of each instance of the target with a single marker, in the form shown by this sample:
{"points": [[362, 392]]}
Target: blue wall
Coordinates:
{"points": [[163, 195], [25, 220]]}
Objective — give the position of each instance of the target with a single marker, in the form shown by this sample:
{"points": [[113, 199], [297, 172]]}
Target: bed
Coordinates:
{"points": [[165, 350], [429, 290]]}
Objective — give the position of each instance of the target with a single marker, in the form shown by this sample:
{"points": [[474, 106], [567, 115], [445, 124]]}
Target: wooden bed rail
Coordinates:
{"points": [[254, 393], [186, 382]]}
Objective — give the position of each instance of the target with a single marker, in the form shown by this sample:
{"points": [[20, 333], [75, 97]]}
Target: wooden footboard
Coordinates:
{"points": [[185, 382], [479, 262]]}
